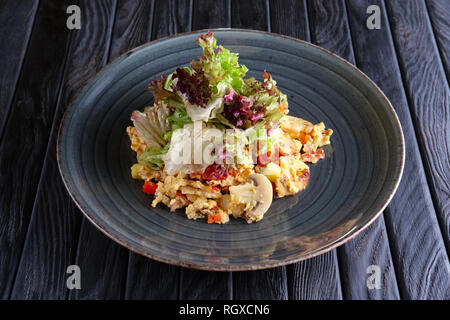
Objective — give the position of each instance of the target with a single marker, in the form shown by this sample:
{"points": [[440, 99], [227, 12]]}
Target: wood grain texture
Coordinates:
{"points": [[103, 265], [208, 14], [250, 14], [369, 248], [439, 11], [16, 23], [133, 25], [329, 27], [54, 229], [171, 16], [151, 280], [290, 17], [429, 98], [270, 284], [106, 260], [304, 279], [330, 30], [26, 134], [418, 251], [315, 279], [205, 285]]}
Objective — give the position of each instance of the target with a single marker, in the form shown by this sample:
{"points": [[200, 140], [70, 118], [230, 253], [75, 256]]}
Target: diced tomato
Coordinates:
{"points": [[214, 188], [182, 195], [215, 218], [215, 172], [149, 187]]}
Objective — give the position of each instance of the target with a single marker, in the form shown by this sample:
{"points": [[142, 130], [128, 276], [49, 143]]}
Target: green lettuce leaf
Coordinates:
{"points": [[176, 120], [152, 157], [220, 65]]}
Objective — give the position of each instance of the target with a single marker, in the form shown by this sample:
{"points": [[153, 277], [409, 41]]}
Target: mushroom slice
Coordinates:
{"points": [[256, 195]]}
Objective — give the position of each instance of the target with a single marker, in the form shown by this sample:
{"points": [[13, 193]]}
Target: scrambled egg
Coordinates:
{"points": [[198, 198], [298, 141], [294, 176], [311, 136], [137, 144]]}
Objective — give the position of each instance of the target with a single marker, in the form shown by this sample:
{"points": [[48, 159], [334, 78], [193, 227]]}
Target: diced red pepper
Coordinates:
{"points": [[149, 187], [215, 218]]}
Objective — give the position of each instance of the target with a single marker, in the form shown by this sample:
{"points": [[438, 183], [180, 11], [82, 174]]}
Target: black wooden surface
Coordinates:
{"points": [[43, 64]]}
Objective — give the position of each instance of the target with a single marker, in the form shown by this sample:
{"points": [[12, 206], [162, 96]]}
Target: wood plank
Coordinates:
{"points": [[26, 133], [438, 12], [55, 225], [306, 279], [420, 259], [205, 285], [195, 284], [269, 284], [330, 30], [103, 264], [106, 260], [133, 25], [171, 16], [370, 247], [429, 98], [163, 280], [315, 279], [290, 17], [250, 14], [329, 27], [208, 14], [151, 280], [16, 23]]}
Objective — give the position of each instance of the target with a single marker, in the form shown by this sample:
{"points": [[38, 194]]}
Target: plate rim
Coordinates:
{"points": [[230, 267]]}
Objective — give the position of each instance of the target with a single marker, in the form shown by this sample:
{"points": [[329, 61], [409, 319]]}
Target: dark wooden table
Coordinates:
{"points": [[43, 64]]}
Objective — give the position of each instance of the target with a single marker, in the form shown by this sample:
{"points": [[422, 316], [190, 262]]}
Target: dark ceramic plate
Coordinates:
{"points": [[347, 190]]}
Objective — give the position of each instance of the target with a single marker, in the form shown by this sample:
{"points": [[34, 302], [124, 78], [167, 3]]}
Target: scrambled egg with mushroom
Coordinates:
{"points": [[217, 144]]}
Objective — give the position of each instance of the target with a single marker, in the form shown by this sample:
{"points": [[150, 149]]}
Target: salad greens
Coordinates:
{"points": [[214, 90], [220, 65], [152, 157], [176, 120]]}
